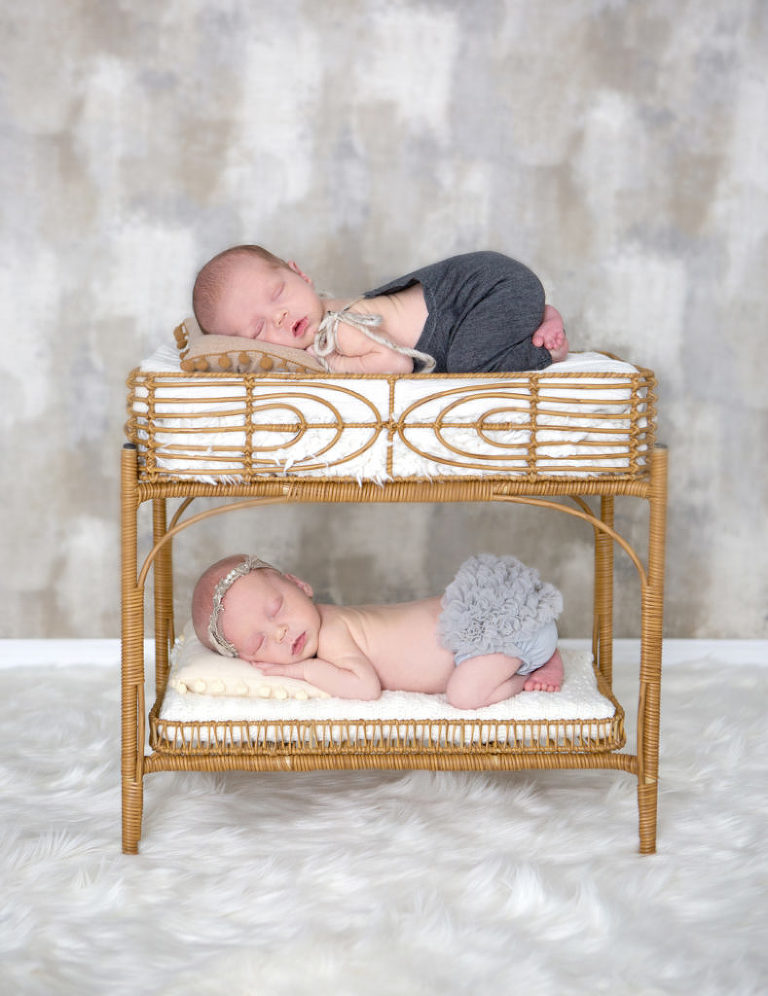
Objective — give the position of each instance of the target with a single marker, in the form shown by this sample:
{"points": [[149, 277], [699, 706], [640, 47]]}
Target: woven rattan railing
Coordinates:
{"points": [[368, 738], [240, 429]]}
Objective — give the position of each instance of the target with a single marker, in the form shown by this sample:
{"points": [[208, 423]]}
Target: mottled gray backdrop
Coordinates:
{"points": [[620, 147]]}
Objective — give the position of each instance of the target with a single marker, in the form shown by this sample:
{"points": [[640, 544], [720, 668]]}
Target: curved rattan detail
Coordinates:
{"points": [[511, 428], [588, 516], [534, 408], [193, 520]]}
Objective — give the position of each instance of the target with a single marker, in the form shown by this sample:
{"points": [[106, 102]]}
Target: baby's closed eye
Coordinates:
{"points": [[275, 605], [253, 647]]}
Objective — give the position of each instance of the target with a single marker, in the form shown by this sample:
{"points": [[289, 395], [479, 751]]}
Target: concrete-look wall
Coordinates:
{"points": [[619, 147]]}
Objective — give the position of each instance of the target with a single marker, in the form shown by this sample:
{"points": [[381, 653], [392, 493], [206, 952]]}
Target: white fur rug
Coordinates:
{"points": [[373, 883]]}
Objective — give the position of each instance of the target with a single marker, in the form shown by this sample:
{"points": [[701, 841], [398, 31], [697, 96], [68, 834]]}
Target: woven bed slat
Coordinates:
{"points": [[373, 737]]}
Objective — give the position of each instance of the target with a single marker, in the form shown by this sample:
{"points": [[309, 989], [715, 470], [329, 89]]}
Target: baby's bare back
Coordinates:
{"points": [[399, 640]]}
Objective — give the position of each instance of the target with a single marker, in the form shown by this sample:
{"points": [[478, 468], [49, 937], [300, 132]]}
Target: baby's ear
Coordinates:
{"points": [[292, 265], [306, 588]]}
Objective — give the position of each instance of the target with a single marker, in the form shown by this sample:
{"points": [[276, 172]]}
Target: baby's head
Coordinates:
{"points": [[244, 607], [249, 292]]}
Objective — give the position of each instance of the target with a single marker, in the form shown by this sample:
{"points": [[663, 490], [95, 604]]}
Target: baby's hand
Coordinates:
{"points": [[281, 670]]}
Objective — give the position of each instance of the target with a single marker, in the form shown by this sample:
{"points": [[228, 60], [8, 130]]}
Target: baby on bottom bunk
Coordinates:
{"points": [[480, 311], [492, 634]]}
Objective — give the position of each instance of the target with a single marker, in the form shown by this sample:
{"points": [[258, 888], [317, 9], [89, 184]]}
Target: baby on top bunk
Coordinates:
{"points": [[492, 634], [478, 312]]}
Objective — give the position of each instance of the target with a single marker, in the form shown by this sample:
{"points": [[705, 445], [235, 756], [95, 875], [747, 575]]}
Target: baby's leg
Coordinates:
{"points": [[500, 307], [551, 334], [548, 677], [481, 681]]}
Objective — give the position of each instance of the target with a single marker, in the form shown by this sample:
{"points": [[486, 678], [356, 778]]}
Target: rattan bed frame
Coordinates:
{"points": [[230, 746]]}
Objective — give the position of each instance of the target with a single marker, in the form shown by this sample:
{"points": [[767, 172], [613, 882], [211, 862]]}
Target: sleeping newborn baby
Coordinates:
{"points": [[490, 636], [480, 311]]}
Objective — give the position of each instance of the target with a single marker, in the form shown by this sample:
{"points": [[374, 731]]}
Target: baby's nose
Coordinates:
{"points": [[280, 633], [280, 317]]}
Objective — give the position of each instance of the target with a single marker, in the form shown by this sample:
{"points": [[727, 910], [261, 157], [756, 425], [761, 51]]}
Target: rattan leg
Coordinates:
{"points": [[132, 669], [163, 590], [604, 593], [650, 657]]}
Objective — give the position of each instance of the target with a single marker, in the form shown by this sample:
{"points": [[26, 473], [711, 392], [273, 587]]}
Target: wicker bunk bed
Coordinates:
{"points": [[570, 438]]}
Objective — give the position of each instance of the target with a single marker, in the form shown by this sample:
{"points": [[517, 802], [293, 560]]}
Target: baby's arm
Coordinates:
{"points": [[378, 360], [349, 677], [359, 354]]}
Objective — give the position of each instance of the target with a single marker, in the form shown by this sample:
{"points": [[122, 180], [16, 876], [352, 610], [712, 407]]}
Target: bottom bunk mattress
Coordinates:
{"points": [[214, 705]]}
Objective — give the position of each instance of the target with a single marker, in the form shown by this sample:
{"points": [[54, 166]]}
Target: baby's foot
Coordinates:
{"points": [[551, 334], [558, 349], [547, 678]]}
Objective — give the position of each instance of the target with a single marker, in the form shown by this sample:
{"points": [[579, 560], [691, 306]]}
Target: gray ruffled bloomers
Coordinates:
{"points": [[498, 605]]}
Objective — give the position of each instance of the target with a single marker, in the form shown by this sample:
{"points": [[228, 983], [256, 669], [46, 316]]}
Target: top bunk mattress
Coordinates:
{"points": [[590, 416]]}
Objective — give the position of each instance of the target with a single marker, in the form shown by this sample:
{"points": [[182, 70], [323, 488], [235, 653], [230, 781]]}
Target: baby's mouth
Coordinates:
{"points": [[299, 328], [298, 644]]}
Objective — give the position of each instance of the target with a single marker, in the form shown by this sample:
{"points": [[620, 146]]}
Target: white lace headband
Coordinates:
{"points": [[223, 645]]}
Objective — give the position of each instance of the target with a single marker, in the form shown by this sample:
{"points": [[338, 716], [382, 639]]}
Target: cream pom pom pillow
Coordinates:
{"points": [[200, 671], [233, 354]]}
